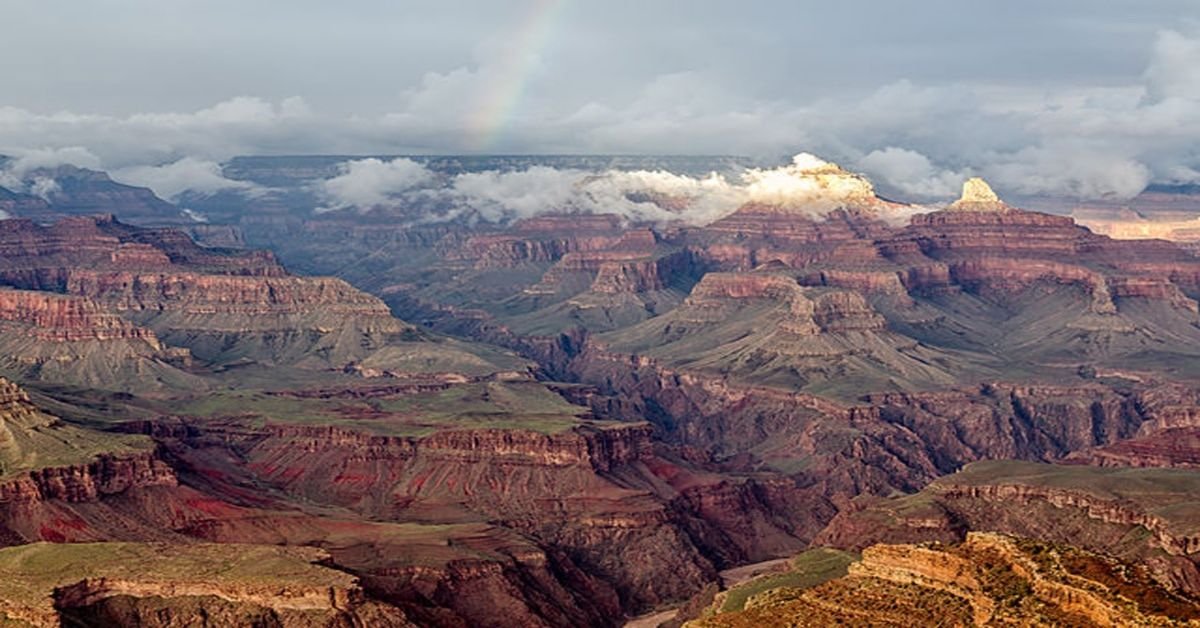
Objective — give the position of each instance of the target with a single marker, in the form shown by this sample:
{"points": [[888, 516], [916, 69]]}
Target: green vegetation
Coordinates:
{"points": [[814, 567], [29, 573], [483, 405], [1172, 494], [30, 439], [775, 341]]}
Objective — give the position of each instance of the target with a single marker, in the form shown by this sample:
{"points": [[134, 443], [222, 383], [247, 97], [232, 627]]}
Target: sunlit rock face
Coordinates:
{"points": [[978, 196], [808, 185], [808, 179]]}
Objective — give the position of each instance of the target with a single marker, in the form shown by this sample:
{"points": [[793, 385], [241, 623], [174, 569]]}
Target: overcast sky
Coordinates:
{"points": [[1081, 97]]}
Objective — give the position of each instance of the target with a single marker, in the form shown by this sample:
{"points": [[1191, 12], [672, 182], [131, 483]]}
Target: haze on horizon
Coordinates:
{"points": [[1072, 98]]}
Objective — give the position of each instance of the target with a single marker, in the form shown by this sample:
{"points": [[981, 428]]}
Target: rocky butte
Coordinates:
{"points": [[978, 196]]}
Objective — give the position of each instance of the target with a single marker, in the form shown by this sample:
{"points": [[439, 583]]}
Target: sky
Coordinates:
{"points": [[1081, 98]]}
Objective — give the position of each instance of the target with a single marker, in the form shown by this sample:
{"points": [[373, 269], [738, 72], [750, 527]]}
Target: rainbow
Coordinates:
{"points": [[506, 83]]}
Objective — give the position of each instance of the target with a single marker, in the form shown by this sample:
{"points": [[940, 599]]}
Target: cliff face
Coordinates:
{"points": [[1008, 249], [55, 338], [108, 475], [765, 329], [39, 257], [156, 584], [988, 579], [831, 358], [545, 239], [53, 317], [257, 298], [1093, 508], [897, 441], [217, 305], [625, 515], [1172, 447], [1166, 533], [46, 464], [756, 235]]}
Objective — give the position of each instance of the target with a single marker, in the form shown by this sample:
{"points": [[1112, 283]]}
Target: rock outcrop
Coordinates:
{"points": [[39, 257], [978, 196], [986, 580], [59, 318], [63, 339], [1103, 506], [165, 585]]}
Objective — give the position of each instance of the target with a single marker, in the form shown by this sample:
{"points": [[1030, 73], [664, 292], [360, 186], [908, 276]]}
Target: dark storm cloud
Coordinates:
{"points": [[1071, 97]]}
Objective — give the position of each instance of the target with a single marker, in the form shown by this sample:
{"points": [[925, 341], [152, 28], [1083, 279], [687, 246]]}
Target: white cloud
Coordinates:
{"points": [[919, 139], [808, 184], [237, 126], [1069, 170], [29, 159], [189, 174], [44, 188], [24, 172], [497, 195], [911, 173], [640, 195], [366, 183], [1174, 70]]}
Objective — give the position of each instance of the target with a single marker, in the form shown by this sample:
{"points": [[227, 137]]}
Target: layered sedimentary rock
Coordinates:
{"points": [[73, 191], [46, 463], [978, 196], [626, 516], [764, 327], [39, 257], [832, 359], [542, 239], [49, 316], [64, 339], [166, 585], [221, 306], [986, 580], [1094, 508]]}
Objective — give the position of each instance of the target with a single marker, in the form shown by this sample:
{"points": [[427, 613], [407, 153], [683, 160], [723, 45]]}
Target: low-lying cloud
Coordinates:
{"points": [[189, 174], [368, 183], [808, 184]]}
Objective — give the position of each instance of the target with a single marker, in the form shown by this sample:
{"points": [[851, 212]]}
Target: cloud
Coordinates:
{"points": [[44, 188], [367, 183], [911, 173], [808, 184], [1174, 70], [26, 160], [639, 195], [189, 174], [238, 126], [24, 171], [1072, 171], [499, 195], [919, 139]]}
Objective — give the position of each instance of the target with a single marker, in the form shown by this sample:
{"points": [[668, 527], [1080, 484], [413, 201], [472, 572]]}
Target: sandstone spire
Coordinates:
{"points": [[977, 195]]}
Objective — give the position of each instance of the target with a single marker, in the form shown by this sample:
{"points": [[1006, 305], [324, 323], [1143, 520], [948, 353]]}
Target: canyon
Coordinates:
{"points": [[570, 419]]}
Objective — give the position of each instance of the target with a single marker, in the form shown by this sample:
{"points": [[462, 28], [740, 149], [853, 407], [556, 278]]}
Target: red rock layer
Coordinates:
{"points": [[37, 257], [544, 239], [60, 318], [107, 475], [207, 294]]}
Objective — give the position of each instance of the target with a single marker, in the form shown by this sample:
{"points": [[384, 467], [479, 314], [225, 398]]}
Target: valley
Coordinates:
{"points": [[575, 419]]}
